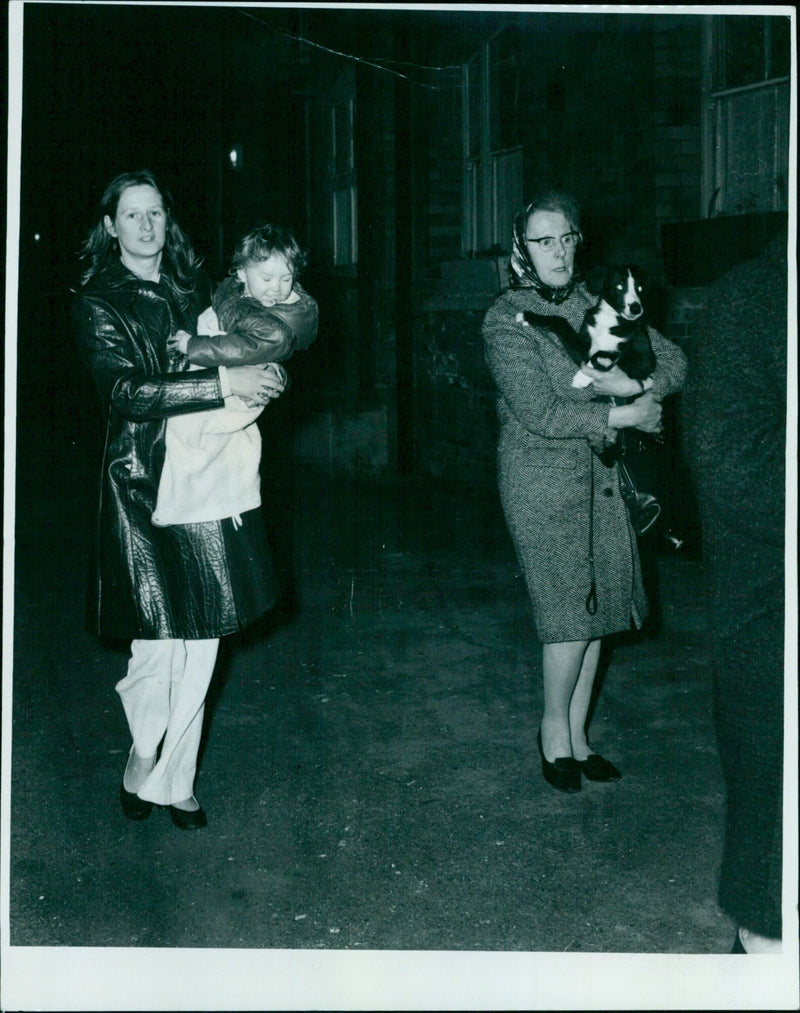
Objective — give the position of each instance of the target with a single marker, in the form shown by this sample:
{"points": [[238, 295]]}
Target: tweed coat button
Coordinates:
{"points": [[608, 492]]}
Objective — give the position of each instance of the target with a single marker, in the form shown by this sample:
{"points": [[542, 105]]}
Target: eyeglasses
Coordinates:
{"points": [[569, 241]]}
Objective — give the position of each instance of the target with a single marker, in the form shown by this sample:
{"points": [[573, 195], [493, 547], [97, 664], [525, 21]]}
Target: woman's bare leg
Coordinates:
{"points": [[581, 699], [561, 666]]}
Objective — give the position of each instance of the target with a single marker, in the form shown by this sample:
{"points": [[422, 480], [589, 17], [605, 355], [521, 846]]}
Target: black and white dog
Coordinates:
{"points": [[614, 331]]}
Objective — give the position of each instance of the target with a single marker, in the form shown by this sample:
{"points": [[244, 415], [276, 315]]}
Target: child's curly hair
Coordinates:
{"points": [[261, 243]]}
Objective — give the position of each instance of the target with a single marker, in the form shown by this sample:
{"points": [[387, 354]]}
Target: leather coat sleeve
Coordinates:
{"points": [[255, 334], [128, 376], [258, 338], [302, 316]]}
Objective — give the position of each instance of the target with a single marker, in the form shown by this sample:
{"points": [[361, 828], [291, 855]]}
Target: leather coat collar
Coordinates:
{"points": [[117, 278]]}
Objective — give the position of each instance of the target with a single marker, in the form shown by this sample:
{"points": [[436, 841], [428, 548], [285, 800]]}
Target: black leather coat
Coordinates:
{"points": [[193, 581], [255, 333]]}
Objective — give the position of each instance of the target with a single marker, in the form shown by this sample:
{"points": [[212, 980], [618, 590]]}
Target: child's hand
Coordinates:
{"points": [[207, 322], [179, 342]]}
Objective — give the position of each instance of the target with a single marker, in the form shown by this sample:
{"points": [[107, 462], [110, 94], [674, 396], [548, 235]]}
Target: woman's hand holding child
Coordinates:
{"points": [[257, 384]]}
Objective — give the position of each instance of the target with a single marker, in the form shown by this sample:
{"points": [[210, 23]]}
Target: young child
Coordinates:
{"points": [[259, 314]]}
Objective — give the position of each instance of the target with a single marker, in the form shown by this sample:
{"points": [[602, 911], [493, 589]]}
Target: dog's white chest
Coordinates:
{"points": [[601, 338], [600, 330]]}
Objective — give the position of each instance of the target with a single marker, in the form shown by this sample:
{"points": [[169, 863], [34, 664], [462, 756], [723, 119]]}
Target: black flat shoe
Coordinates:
{"points": [[737, 944], [135, 808], [597, 768], [186, 820], [563, 773]]}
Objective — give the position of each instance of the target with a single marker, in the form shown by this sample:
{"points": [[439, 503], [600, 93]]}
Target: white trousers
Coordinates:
{"points": [[164, 696]]}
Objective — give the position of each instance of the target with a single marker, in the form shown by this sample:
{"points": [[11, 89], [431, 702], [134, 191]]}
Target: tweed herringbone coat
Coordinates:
{"points": [[545, 468]]}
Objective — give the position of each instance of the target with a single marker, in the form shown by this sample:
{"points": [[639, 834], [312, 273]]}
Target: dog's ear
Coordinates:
{"points": [[595, 278], [639, 274]]}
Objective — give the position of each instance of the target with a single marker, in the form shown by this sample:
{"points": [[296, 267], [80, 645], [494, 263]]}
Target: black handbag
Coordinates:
{"points": [[643, 508]]}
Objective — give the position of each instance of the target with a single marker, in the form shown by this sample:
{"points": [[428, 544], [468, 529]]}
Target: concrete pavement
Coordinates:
{"points": [[370, 769]]}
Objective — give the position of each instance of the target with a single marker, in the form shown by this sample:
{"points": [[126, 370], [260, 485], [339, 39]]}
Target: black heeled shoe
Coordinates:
{"points": [[563, 773], [135, 808], [597, 768], [188, 819]]}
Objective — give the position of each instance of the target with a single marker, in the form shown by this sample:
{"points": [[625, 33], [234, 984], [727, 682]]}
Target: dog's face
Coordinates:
{"points": [[623, 290]]}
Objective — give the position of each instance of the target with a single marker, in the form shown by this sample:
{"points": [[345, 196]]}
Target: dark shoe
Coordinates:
{"points": [[737, 944], [563, 773], [597, 768], [135, 808], [186, 820]]}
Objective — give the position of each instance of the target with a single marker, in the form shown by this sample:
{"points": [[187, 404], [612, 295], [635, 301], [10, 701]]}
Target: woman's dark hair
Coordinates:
{"points": [[261, 243], [178, 263], [556, 200]]}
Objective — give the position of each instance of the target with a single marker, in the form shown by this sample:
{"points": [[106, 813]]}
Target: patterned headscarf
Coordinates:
{"points": [[522, 273]]}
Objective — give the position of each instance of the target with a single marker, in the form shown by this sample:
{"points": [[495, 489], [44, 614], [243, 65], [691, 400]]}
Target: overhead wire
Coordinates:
{"points": [[374, 63]]}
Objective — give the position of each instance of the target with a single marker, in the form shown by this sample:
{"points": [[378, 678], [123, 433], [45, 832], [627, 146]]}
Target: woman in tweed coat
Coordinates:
{"points": [[549, 475]]}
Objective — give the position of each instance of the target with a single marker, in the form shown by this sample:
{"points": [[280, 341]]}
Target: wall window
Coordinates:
{"points": [[492, 150], [746, 114], [331, 172], [344, 235]]}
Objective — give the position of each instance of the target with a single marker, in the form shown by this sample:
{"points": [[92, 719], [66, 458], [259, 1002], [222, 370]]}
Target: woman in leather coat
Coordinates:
{"points": [[174, 591]]}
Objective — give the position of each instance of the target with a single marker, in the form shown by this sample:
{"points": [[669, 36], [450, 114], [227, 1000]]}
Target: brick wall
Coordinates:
{"points": [[684, 307], [677, 72], [455, 425], [454, 402], [437, 126]]}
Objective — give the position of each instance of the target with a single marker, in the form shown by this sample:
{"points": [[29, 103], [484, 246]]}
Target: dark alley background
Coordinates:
{"points": [[369, 761]]}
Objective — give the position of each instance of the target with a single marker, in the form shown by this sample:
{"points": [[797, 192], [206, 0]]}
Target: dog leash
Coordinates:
{"points": [[591, 597]]}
